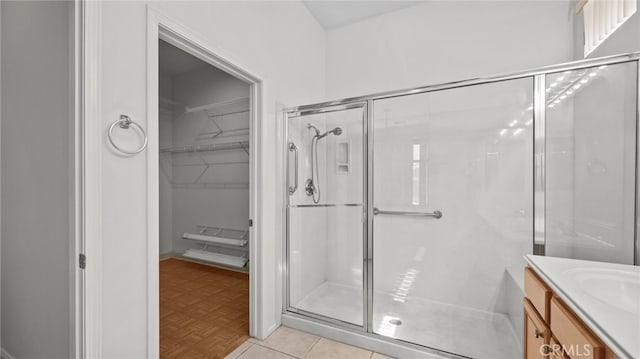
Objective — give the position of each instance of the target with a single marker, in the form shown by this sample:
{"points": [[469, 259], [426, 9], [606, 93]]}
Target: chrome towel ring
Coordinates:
{"points": [[125, 122]]}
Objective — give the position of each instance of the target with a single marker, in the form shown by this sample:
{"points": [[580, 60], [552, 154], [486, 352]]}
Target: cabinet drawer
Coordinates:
{"points": [[537, 292], [577, 339]]}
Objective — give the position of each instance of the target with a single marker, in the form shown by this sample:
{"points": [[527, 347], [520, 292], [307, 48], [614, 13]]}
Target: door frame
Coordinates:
{"points": [[88, 150], [161, 27], [88, 187]]}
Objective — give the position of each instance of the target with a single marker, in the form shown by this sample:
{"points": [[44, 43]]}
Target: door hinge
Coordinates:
{"points": [[251, 223], [82, 261]]}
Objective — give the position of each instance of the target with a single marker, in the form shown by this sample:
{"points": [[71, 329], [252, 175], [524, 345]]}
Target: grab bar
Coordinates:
{"points": [[294, 148], [435, 214]]}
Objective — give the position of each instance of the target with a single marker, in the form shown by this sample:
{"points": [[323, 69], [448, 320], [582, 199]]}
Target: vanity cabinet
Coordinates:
{"points": [[552, 330]]}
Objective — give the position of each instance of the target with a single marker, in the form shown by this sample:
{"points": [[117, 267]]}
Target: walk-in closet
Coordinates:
{"points": [[204, 118]]}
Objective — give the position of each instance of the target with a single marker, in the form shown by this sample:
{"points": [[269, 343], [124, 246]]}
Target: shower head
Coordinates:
{"points": [[336, 132]]}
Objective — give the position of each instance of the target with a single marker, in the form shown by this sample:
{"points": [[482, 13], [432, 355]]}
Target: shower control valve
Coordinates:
{"points": [[309, 187]]}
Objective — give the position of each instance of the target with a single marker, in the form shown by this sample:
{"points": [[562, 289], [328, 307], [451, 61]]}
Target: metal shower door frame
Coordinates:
{"points": [[289, 114], [538, 77]]}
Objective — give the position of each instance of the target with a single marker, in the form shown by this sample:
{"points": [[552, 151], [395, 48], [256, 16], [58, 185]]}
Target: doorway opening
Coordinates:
{"points": [[205, 156]]}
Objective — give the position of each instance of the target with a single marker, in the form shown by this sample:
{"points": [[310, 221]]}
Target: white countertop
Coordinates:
{"points": [[609, 314]]}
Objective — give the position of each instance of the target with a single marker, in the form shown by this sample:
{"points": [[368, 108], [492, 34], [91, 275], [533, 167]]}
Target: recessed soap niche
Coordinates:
{"points": [[343, 157]]}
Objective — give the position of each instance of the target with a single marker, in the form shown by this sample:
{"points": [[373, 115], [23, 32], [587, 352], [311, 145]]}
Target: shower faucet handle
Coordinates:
{"points": [[309, 188]]}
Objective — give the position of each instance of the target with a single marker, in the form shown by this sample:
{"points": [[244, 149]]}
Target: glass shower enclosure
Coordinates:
{"points": [[408, 213], [325, 213]]}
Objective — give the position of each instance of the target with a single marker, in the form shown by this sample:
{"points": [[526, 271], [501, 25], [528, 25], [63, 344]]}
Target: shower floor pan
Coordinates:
{"points": [[446, 327]]}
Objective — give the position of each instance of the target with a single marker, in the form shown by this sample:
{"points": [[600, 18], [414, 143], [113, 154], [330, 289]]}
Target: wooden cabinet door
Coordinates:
{"points": [[579, 341], [536, 333], [556, 350]]}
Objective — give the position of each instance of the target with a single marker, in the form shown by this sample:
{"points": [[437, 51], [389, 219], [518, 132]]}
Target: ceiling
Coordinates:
{"points": [[332, 14], [175, 61]]}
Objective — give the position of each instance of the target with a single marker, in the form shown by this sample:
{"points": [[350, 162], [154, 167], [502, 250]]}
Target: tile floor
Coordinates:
{"points": [[287, 343]]}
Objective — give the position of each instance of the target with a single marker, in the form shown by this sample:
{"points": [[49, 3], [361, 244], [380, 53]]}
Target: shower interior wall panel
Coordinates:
{"points": [[591, 145], [605, 143], [308, 251], [302, 136], [559, 182], [326, 239], [345, 234], [308, 225]]}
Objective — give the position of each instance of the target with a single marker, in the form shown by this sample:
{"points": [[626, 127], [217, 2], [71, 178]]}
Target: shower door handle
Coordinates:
{"points": [[293, 148], [435, 214]]}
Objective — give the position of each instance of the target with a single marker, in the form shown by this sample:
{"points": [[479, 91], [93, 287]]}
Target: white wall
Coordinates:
{"points": [[35, 179], [441, 41], [278, 41]]}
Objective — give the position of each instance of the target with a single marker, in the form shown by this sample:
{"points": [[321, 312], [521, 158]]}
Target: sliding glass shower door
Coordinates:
{"points": [[409, 213], [452, 213], [325, 228]]}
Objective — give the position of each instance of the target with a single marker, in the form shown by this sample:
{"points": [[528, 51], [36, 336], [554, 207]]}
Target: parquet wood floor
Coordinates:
{"points": [[204, 311]]}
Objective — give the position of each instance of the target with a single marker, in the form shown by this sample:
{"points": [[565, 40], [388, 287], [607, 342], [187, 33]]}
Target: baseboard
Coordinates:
{"points": [[5, 355], [168, 255]]}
